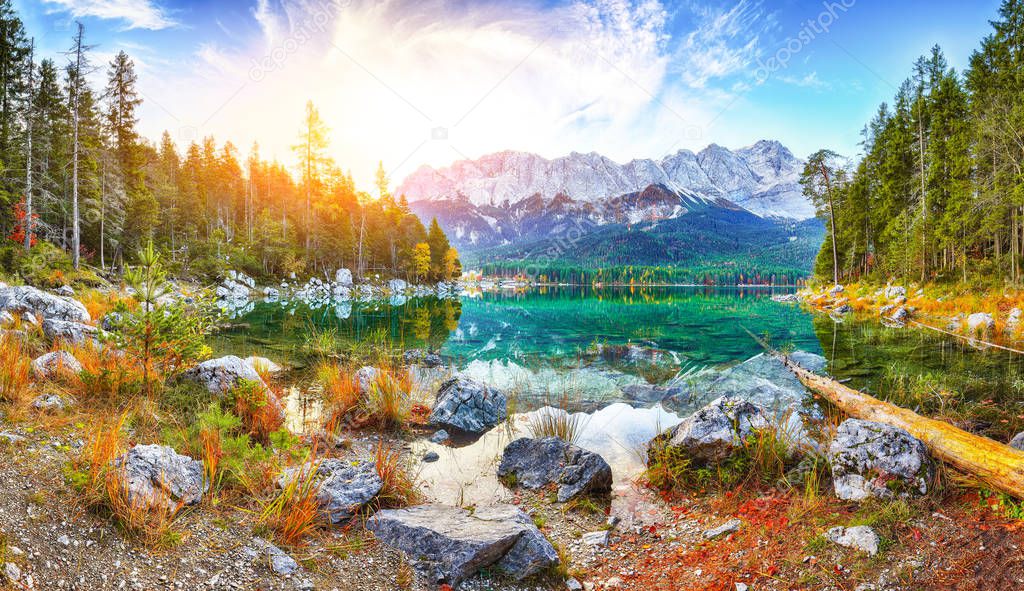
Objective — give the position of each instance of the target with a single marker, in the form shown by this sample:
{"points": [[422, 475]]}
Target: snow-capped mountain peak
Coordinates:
{"points": [[762, 178]]}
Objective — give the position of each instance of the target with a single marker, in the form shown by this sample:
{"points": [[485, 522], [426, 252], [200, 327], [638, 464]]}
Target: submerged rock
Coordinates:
{"points": [[536, 463], [468, 405], [713, 432], [25, 300], [877, 460], [762, 380], [860, 537], [156, 475], [54, 363], [450, 544], [421, 357], [342, 487]]}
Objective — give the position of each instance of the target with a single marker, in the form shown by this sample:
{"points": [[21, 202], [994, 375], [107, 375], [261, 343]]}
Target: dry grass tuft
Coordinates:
{"points": [[293, 514], [15, 371], [399, 488]]}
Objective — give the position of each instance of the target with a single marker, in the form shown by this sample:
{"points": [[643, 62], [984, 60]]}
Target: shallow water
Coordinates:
{"points": [[592, 350]]}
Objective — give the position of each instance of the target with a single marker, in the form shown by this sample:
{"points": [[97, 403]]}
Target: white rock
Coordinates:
{"points": [[980, 321], [860, 537]]}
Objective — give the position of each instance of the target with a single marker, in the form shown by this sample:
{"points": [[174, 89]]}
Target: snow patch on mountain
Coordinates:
{"points": [[762, 178]]}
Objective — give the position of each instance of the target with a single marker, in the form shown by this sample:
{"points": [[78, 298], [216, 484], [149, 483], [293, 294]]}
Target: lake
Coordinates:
{"points": [[633, 360]]}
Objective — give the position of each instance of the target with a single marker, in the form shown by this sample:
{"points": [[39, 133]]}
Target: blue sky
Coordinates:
{"points": [[414, 82]]}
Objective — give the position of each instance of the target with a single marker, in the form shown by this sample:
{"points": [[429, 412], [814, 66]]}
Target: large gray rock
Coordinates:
{"points": [[157, 476], [468, 405], [536, 463], [450, 544], [55, 363], [980, 322], [1018, 441], [342, 487], [24, 299], [713, 432], [876, 460], [221, 375], [343, 277], [68, 331]]}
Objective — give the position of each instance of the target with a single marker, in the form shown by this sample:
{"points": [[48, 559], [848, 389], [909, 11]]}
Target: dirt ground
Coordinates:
{"points": [[957, 544]]}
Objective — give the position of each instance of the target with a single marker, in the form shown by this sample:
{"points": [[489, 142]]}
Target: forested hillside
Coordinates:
{"points": [[939, 192], [78, 178]]}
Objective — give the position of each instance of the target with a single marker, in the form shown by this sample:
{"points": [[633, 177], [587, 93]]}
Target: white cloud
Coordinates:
{"points": [[809, 80], [137, 14], [583, 75], [724, 42]]}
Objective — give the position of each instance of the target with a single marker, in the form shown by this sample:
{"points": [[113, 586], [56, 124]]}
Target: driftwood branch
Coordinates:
{"points": [[997, 465]]}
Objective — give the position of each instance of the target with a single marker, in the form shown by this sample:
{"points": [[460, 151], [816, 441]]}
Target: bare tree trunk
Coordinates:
{"points": [[28, 153], [999, 466], [76, 237]]}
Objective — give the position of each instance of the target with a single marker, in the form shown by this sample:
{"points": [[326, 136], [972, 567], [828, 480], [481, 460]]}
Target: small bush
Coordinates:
{"points": [[260, 414], [762, 459]]}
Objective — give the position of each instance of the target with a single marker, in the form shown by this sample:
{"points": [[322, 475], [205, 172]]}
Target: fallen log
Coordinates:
{"points": [[999, 466]]}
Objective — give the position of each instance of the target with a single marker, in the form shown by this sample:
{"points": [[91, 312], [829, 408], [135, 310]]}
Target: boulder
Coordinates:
{"points": [[1014, 317], [343, 487], [895, 291], [54, 363], [450, 544], [980, 322], [786, 298], [421, 357], [67, 331], [264, 364], [157, 476], [343, 277], [536, 463], [440, 436], [397, 286], [221, 375], [65, 291], [47, 402], [365, 377], [860, 537], [468, 405], [713, 432], [26, 300], [835, 290], [279, 562], [1018, 441], [6, 319], [877, 460], [900, 315]]}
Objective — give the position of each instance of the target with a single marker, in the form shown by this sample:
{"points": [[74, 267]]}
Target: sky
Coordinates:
{"points": [[427, 82]]}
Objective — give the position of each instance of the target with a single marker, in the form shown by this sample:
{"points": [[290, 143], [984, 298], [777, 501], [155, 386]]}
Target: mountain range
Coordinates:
{"points": [[687, 208]]}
